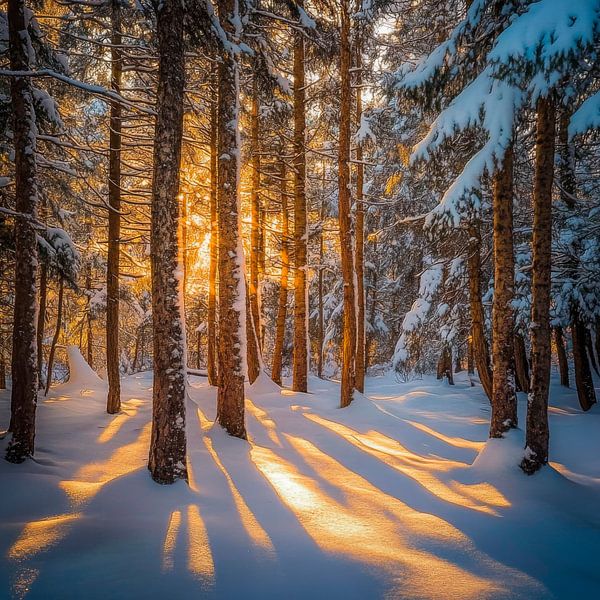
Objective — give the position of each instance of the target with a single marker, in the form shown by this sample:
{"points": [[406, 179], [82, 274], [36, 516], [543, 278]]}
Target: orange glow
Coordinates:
{"points": [[128, 409], [256, 533], [200, 560], [171, 540], [452, 441], [370, 526], [480, 496], [90, 478], [37, 536], [262, 417]]}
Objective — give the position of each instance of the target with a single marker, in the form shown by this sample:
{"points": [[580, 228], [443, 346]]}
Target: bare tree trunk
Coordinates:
{"points": [[90, 346], [283, 282], [300, 356], [320, 300], [2, 372], [345, 217], [252, 345], [536, 451], [24, 367], [211, 359], [504, 399], [255, 249], [561, 351], [590, 348], [521, 363], [583, 374], [59, 311], [372, 314], [359, 258], [41, 322], [470, 356], [444, 366], [479, 344], [167, 461], [232, 287], [113, 404]]}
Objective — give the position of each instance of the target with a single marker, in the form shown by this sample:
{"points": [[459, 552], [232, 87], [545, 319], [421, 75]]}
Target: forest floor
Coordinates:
{"points": [[397, 496]]}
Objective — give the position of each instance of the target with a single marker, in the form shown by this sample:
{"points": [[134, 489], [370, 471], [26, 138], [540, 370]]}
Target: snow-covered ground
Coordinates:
{"points": [[397, 496]]}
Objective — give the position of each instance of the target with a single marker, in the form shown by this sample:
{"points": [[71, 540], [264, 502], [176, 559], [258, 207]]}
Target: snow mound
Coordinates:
{"points": [[80, 373], [264, 385]]}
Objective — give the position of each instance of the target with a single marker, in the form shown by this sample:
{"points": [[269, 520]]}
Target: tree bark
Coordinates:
{"points": [[561, 351], [479, 343], [24, 367], [232, 286], [521, 363], [300, 356], [359, 258], [41, 321], [586, 393], [537, 435], [590, 348], [113, 403], [211, 358], [345, 217], [255, 237], [59, 311], [504, 399], [89, 338], [167, 461], [283, 282], [583, 374]]}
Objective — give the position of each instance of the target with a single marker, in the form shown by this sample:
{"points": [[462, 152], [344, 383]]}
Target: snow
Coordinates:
{"points": [[398, 496]]}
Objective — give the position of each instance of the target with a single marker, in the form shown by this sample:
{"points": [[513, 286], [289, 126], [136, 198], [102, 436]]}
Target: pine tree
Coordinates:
{"points": [[300, 356], [113, 403], [167, 461], [536, 452], [24, 368], [232, 285]]}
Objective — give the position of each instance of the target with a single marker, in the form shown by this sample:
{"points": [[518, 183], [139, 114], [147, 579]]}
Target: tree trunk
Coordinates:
{"points": [[583, 374], [536, 451], [479, 344], [444, 366], [561, 351], [89, 338], [113, 404], [41, 322], [252, 344], [211, 358], [2, 372], [283, 282], [320, 300], [590, 348], [24, 352], [255, 237], [300, 356], [359, 258], [232, 287], [504, 399], [521, 363], [167, 461], [470, 356], [345, 217], [59, 311]]}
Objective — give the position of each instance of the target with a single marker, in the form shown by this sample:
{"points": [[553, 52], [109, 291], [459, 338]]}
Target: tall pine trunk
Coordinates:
{"points": [[283, 282], [211, 359], [41, 320], [59, 312], [167, 461], [561, 351], [24, 367], [479, 343], [232, 287], [504, 399], [537, 436], [584, 383], [300, 356], [345, 217], [359, 258], [521, 363], [113, 403], [255, 231]]}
